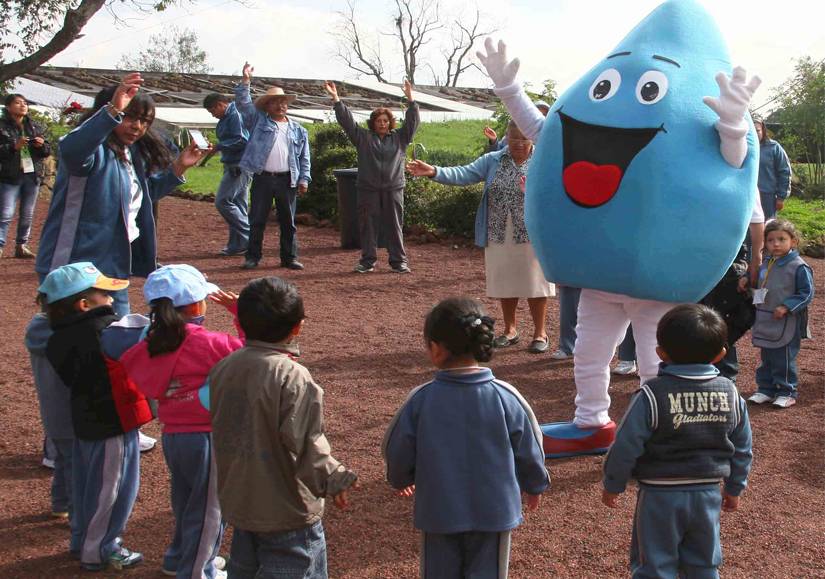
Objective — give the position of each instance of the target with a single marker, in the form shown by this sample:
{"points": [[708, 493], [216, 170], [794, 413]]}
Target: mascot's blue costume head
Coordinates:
{"points": [[627, 191]]}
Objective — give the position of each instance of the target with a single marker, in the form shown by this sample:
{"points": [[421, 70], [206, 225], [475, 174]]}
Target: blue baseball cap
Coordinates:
{"points": [[181, 283], [74, 278]]}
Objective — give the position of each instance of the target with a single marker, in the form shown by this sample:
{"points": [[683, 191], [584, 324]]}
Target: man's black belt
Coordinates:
{"points": [[273, 174]]}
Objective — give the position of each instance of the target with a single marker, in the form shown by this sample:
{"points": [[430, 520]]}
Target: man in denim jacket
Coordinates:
{"points": [[277, 155]]}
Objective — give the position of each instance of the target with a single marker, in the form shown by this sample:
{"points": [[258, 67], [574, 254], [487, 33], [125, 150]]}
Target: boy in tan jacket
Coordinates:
{"points": [[273, 459]]}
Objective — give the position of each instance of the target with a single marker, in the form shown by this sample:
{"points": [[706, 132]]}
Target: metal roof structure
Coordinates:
{"points": [[179, 97]]}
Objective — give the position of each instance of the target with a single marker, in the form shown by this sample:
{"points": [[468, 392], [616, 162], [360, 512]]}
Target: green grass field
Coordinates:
{"points": [[808, 216]]}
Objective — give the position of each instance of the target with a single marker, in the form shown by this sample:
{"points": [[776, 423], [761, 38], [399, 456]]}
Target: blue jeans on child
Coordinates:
{"points": [[26, 191], [296, 554], [676, 532], [198, 525], [231, 202], [776, 375]]}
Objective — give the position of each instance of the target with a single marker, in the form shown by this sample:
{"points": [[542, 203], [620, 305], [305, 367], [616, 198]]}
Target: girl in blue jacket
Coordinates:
{"points": [[468, 446], [112, 167]]}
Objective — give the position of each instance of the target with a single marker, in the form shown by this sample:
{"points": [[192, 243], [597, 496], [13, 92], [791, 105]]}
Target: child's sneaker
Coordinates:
{"points": [[560, 355], [759, 398], [625, 367], [784, 402], [123, 558], [145, 443]]}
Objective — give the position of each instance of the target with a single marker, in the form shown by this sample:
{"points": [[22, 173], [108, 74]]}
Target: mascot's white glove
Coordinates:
{"points": [[503, 73], [732, 106]]}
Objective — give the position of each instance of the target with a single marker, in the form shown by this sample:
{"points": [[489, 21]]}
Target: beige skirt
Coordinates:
{"points": [[513, 270]]}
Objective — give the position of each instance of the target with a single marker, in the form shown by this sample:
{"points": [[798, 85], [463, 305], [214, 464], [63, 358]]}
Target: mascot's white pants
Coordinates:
{"points": [[602, 322]]}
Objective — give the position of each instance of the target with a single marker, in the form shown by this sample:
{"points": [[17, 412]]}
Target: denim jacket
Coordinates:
{"points": [[232, 136], [482, 169], [262, 134]]}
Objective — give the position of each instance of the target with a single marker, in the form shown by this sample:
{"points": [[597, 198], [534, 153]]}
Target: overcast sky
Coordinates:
{"points": [[558, 39]]}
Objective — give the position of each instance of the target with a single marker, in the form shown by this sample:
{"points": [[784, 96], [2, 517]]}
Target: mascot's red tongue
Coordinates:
{"points": [[591, 185]]}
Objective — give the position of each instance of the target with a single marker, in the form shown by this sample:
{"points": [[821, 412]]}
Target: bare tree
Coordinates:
{"points": [[463, 38], [354, 51], [415, 22]]}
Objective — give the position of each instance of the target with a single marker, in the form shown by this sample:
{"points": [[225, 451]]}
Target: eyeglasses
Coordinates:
{"points": [[134, 119]]}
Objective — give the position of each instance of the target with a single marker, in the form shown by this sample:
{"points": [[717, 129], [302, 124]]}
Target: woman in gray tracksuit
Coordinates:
{"points": [[381, 156]]}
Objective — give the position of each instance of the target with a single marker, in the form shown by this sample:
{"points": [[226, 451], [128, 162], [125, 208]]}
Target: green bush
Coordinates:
{"points": [[329, 150], [441, 208]]}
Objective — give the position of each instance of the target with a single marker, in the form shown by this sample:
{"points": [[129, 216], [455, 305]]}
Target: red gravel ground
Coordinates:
{"points": [[363, 343]]}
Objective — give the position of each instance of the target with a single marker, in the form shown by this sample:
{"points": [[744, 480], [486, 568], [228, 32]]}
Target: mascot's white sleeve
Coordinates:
{"points": [[528, 118]]}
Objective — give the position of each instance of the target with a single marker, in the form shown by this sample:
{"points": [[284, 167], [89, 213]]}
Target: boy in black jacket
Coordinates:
{"points": [[107, 409]]}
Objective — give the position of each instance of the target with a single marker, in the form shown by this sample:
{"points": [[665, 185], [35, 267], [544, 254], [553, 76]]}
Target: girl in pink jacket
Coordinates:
{"points": [[171, 365]]}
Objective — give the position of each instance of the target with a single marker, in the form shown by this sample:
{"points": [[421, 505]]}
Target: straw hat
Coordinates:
{"points": [[275, 92]]}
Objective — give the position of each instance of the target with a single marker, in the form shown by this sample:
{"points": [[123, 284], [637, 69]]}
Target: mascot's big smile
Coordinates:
{"points": [[596, 158]]}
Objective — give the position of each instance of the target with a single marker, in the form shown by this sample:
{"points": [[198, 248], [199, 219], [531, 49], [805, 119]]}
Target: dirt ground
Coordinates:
{"points": [[362, 342]]}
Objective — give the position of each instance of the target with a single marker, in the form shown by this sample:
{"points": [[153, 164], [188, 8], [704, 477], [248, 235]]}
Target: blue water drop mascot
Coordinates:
{"points": [[640, 191]]}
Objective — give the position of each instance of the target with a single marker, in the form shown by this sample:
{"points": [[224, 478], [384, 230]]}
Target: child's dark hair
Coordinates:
{"points": [[461, 326], [167, 327], [782, 225], [56, 311], [692, 334], [268, 309]]}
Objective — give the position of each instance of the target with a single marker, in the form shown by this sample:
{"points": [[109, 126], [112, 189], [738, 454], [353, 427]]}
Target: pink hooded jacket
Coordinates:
{"points": [[173, 379]]}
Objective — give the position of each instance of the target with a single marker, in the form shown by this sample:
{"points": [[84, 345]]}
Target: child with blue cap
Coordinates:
{"points": [[171, 364], [106, 411]]}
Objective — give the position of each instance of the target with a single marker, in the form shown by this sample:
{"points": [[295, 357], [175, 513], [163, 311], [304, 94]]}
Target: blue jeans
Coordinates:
{"points": [[231, 202], [26, 190], [627, 349], [297, 554], [776, 375], [265, 188], [568, 315]]}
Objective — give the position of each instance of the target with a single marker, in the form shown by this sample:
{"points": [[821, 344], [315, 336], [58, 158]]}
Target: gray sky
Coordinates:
{"points": [[558, 39]]}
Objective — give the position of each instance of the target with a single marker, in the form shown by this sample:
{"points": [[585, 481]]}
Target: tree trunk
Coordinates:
{"points": [[73, 23]]}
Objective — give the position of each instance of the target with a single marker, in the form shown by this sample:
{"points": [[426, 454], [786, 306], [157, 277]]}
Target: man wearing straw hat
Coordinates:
{"points": [[277, 155]]}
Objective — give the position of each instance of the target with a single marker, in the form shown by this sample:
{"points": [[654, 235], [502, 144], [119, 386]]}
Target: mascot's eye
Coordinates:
{"points": [[605, 85], [651, 88]]}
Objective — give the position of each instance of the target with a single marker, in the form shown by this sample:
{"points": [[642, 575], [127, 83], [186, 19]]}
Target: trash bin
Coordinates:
{"points": [[348, 207], [348, 210]]}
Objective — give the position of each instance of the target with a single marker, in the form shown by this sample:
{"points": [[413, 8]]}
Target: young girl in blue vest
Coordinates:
{"points": [[171, 365], [784, 290], [467, 445]]}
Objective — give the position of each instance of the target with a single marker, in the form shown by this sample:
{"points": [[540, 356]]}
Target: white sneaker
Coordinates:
{"points": [[784, 401], [145, 443], [625, 367], [759, 398], [560, 355], [47, 462]]}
